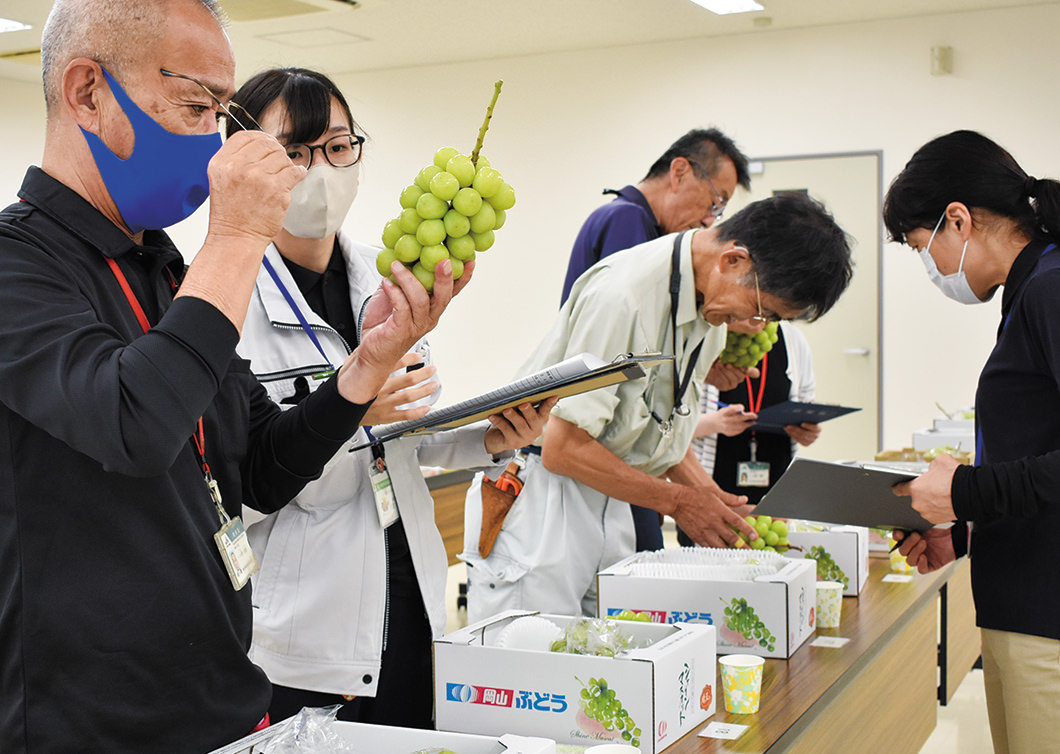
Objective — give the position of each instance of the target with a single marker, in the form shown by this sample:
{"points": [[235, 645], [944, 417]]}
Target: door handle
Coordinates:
{"points": [[856, 352]]}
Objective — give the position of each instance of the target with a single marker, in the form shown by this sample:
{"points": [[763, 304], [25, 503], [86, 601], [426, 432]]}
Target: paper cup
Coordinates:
{"points": [[898, 561], [829, 603], [741, 683]]}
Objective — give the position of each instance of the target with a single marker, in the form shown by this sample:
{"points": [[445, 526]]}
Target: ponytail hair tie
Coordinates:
{"points": [[1030, 186]]}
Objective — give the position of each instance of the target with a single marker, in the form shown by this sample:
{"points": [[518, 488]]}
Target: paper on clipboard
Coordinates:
{"points": [[578, 374], [774, 418], [842, 493]]}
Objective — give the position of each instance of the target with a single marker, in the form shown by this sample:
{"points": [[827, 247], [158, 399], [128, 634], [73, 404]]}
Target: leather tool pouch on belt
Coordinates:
{"points": [[497, 499]]}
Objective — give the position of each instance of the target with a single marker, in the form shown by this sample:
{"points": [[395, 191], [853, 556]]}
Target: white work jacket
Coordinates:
{"points": [[320, 596]]}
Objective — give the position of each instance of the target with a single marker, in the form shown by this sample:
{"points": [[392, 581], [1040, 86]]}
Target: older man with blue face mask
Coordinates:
{"points": [[130, 432]]}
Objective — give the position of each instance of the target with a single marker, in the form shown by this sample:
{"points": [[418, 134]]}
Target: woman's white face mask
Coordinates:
{"points": [[955, 285], [321, 200]]}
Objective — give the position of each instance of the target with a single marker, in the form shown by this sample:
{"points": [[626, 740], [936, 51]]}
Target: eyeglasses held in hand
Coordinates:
{"points": [[226, 110]]}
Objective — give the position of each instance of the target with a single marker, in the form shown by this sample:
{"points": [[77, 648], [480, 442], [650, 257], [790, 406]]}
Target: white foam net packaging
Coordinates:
{"points": [[707, 563]]}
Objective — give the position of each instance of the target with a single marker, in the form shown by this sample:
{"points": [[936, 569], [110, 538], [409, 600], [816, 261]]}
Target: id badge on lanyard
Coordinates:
{"points": [[236, 553], [666, 426], [238, 557], [382, 487], [754, 473], [231, 539]]}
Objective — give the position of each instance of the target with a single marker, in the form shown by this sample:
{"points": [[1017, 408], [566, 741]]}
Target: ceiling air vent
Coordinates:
{"points": [[260, 10]]}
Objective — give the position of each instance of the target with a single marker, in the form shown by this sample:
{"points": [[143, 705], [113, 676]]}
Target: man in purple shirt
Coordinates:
{"points": [[687, 187]]}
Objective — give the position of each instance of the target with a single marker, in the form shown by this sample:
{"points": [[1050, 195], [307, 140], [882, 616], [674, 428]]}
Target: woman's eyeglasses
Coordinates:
{"points": [[340, 151]]}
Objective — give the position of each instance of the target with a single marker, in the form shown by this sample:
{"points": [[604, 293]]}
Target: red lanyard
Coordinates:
{"points": [[129, 295], [752, 404], [199, 438]]}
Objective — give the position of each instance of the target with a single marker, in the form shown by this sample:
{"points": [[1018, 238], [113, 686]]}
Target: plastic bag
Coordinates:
{"points": [[593, 636], [311, 731]]}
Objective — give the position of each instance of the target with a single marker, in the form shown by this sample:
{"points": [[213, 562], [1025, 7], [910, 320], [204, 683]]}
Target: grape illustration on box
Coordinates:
{"points": [[449, 212], [827, 569], [743, 627], [602, 715]]}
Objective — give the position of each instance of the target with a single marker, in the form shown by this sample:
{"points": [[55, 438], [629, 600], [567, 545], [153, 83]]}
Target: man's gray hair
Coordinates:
{"points": [[111, 32]]}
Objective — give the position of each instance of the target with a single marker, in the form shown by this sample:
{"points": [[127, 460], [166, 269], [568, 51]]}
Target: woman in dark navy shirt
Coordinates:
{"points": [[979, 223]]}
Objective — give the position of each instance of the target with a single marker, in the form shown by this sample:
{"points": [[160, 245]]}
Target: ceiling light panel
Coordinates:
{"points": [[9, 24], [725, 7]]}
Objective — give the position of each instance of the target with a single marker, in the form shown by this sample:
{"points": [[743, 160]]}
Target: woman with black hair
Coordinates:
{"points": [[979, 223], [352, 583]]}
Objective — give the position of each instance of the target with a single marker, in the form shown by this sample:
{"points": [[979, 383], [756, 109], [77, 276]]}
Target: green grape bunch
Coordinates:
{"points": [[772, 535], [742, 618], [827, 570], [745, 350], [643, 616], [450, 211], [599, 703]]}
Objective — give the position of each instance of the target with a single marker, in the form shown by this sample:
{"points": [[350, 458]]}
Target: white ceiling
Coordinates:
{"points": [[337, 37]]}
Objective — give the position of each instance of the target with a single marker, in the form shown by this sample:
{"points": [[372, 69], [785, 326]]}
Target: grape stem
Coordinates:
{"points": [[486, 123]]}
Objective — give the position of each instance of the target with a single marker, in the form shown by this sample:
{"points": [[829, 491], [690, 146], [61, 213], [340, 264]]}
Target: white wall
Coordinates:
{"points": [[22, 130], [570, 124]]}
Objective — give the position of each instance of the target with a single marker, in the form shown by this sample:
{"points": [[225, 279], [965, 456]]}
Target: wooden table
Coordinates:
{"points": [[448, 490], [910, 646], [959, 644], [876, 693]]}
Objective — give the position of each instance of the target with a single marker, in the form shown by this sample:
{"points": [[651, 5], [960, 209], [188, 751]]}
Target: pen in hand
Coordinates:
{"points": [[898, 542]]}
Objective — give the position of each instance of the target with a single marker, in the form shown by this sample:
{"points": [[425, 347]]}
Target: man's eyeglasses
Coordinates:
{"points": [[340, 151], [717, 209], [226, 110], [761, 318]]}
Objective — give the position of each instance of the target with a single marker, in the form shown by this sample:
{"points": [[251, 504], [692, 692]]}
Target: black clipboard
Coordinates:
{"points": [[626, 367], [774, 418], [857, 494]]}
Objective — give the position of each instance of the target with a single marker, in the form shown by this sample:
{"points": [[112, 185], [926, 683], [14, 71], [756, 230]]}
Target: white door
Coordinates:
{"points": [[845, 342]]}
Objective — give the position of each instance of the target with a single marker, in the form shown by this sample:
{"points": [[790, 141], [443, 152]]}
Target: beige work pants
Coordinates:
{"points": [[1022, 678]]}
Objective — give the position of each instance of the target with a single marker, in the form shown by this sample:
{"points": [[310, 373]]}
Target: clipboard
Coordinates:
{"points": [[857, 494], [774, 418], [579, 374]]}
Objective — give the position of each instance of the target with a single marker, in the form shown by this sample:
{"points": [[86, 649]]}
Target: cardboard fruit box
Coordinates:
{"points": [[847, 547], [382, 739], [664, 690], [761, 602]]}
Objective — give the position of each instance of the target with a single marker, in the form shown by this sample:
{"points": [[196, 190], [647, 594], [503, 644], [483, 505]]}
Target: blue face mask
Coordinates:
{"points": [[164, 180]]}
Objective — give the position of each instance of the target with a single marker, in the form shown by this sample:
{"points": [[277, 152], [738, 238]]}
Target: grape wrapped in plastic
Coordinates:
{"points": [[593, 636], [311, 731]]}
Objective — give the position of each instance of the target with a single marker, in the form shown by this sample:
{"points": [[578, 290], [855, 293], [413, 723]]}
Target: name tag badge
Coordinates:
{"points": [[236, 553], [752, 474], [385, 502]]}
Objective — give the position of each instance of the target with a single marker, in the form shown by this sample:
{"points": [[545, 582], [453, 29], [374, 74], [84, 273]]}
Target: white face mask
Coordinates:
{"points": [[320, 201], [955, 285]]}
